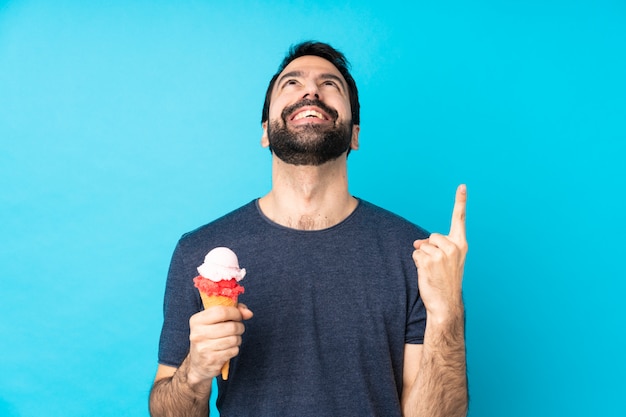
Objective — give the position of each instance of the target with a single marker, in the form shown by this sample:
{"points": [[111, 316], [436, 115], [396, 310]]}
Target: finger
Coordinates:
{"points": [[430, 250], [418, 257], [218, 314], [442, 242], [218, 351], [457, 225], [419, 243], [199, 333]]}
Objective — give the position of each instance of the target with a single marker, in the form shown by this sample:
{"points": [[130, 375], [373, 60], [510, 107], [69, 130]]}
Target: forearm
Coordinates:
{"points": [[440, 388], [179, 395]]}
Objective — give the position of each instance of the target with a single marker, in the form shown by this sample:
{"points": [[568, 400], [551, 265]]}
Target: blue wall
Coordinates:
{"points": [[124, 125]]}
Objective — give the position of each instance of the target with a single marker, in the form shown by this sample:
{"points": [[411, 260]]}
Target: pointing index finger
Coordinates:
{"points": [[457, 225]]}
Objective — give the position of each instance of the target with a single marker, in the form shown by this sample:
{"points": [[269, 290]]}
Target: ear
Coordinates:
{"points": [[354, 144], [265, 142]]}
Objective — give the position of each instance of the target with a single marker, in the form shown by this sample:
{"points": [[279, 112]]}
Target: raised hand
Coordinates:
{"points": [[440, 260]]}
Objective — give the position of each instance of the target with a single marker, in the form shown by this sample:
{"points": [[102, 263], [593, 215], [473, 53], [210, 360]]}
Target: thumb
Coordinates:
{"points": [[246, 313]]}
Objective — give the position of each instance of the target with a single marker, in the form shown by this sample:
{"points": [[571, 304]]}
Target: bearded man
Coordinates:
{"points": [[341, 289]]}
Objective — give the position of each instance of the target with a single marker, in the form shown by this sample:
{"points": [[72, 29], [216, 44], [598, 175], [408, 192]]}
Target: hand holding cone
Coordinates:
{"points": [[217, 283], [218, 300]]}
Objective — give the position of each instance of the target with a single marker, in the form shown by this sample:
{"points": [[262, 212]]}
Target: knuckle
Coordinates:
{"points": [[436, 239], [229, 351], [198, 339], [234, 327], [193, 320], [229, 342], [235, 350]]}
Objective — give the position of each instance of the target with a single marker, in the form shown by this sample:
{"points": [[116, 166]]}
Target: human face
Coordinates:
{"points": [[309, 114]]}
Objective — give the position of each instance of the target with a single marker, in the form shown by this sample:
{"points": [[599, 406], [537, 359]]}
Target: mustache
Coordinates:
{"points": [[308, 102]]}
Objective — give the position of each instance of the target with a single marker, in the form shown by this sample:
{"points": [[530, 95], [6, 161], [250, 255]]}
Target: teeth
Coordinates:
{"points": [[308, 113]]}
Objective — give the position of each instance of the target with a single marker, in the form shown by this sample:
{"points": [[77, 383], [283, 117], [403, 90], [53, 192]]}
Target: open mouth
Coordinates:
{"points": [[309, 114]]}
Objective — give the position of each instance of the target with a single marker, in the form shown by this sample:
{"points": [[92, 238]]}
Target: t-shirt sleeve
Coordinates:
{"points": [[416, 314], [416, 323], [181, 301]]}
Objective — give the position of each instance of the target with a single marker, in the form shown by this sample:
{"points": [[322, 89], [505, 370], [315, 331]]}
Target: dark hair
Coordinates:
{"points": [[327, 52]]}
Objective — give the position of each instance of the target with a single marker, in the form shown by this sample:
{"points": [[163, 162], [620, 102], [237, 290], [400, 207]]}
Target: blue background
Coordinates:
{"points": [[127, 123]]}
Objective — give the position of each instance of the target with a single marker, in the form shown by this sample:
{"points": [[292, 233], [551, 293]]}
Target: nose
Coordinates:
{"points": [[311, 91]]}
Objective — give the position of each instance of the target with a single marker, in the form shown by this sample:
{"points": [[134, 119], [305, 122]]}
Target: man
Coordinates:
{"points": [[339, 325]]}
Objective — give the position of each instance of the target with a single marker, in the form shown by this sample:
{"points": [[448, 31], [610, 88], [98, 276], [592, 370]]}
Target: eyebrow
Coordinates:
{"points": [[323, 76]]}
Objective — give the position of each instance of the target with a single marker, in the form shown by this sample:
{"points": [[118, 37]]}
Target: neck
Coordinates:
{"points": [[308, 197]]}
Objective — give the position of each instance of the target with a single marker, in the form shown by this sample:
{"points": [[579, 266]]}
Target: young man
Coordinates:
{"points": [[339, 325]]}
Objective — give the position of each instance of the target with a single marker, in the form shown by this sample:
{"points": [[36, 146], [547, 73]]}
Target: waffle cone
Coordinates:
{"points": [[218, 300]]}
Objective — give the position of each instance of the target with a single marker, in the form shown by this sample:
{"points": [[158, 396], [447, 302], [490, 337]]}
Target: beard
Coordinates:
{"points": [[309, 144]]}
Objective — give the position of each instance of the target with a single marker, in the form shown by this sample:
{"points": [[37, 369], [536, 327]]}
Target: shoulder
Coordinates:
{"points": [[379, 218], [237, 219], [231, 230]]}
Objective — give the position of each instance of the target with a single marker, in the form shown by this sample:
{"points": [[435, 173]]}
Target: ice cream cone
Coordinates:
{"points": [[218, 282], [218, 300]]}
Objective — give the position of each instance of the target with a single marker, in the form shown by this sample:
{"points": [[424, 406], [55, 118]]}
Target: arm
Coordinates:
{"points": [[435, 382], [435, 377], [215, 336], [173, 394]]}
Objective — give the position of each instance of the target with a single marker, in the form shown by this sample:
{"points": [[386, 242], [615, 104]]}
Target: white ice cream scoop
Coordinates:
{"points": [[221, 264]]}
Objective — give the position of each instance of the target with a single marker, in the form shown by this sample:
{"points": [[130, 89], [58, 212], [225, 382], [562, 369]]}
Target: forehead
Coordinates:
{"points": [[311, 65]]}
